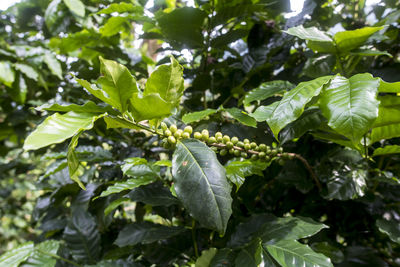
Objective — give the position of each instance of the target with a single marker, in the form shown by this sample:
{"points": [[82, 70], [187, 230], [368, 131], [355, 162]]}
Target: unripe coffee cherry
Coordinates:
{"points": [[165, 140], [164, 126], [205, 134], [226, 138], [173, 128], [234, 140], [253, 145], [171, 140], [236, 153], [240, 144], [280, 150], [229, 145], [218, 134], [246, 141], [188, 129], [223, 152], [185, 135], [254, 157], [267, 158], [281, 162], [198, 135], [167, 132], [232, 151], [178, 133], [243, 155], [262, 147], [262, 154], [212, 140], [247, 146], [273, 152], [220, 139]]}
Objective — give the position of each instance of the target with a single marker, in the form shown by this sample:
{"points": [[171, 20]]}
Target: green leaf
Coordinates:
{"points": [[121, 8], [195, 168], [76, 7], [167, 81], [82, 236], [290, 253], [114, 25], [312, 34], [127, 185], [145, 233], [44, 255], [51, 15], [349, 40], [183, 26], [385, 87], [150, 107], [334, 253], [267, 90], [347, 185], [350, 105], [386, 150], [370, 53], [113, 205], [206, 257], [19, 90], [53, 64], [73, 162], [237, 171], [57, 128], [88, 107], [7, 74], [242, 117], [391, 228], [291, 106], [230, 37], [114, 122], [155, 194], [251, 255], [197, 116], [19, 254], [27, 70], [319, 66]]}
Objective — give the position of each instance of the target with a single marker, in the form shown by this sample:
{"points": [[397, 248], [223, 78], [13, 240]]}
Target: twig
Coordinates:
{"points": [[196, 251]]}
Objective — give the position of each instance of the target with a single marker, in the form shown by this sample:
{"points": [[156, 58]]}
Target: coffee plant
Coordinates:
{"points": [[200, 133]]}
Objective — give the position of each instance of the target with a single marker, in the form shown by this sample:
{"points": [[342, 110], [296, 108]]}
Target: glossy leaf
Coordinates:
{"points": [[242, 117], [267, 90], [114, 25], [195, 168], [72, 160], [347, 185], [113, 205], [76, 7], [82, 236], [57, 128], [51, 14], [44, 255], [88, 107], [312, 34], [386, 87], [386, 150], [350, 105], [237, 171], [206, 257], [349, 40], [390, 228], [281, 113], [19, 254], [291, 253], [7, 74], [145, 233], [115, 122], [250, 255], [197, 116], [155, 194], [53, 64], [27, 70], [127, 185], [150, 106]]}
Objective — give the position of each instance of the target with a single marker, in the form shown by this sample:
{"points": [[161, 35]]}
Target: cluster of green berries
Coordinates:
{"points": [[224, 144]]}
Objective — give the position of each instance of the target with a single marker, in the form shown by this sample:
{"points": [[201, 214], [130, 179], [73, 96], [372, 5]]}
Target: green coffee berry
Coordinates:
{"points": [[218, 134], [188, 129], [243, 155], [215, 149], [240, 144], [262, 147], [281, 162], [173, 128], [267, 158], [164, 126], [247, 146], [234, 140], [254, 157], [212, 140], [223, 152], [232, 151], [226, 138], [246, 141], [167, 132], [205, 134], [219, 139], [171, 140], [185, 135], [198, 135], [165, 140], [273, 152], [253, 145], [178, 133], [229, 145], [280, 150], [236, 153], [262, 154]]}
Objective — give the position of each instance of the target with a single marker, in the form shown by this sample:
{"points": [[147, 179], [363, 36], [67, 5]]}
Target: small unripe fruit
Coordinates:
{"points": [[247, 146], [173, 128], [254, 157], [273, 152], [232, 151], [234, 140], [198, 135], [185, 135], [240, 144], [243, 155], [167, 132], [164, 126], [268, 150], [281, 162], [165, 140], [280, 150], [267, 158], [178, 133], [226, 138], [220, 139], [262, 147], [205, 134], [223, 152], [262, 154], [253, 145], [212, 140], [246, 141], [218, 134], [171, 140], [229, 145], [236, 153], [188, 129]]}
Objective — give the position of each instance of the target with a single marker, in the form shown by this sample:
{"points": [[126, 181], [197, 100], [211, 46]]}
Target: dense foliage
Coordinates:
{"points": [[212, 133]]}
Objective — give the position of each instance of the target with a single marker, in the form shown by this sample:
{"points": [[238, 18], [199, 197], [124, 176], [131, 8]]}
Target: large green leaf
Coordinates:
{"points": [[242, 117], [117, 84], [250, 255], [349, 184], [385, 87], [145, 233], [391, 228], [51, 15], [281, 113], [312, 34], [206, 257], [44, 255], [386, 150], [53, 64], [88, 107], [128, 185], [290, 253], [76, 7], [114, 25], [19, 254], [150, 106], [29, 71], [7, 74], [350, 105], [387, 125], [82, 236], [155, 194], [349, 40], [237, 171], [199, 178], [266, 90], [199, 115], [57, 128]]}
